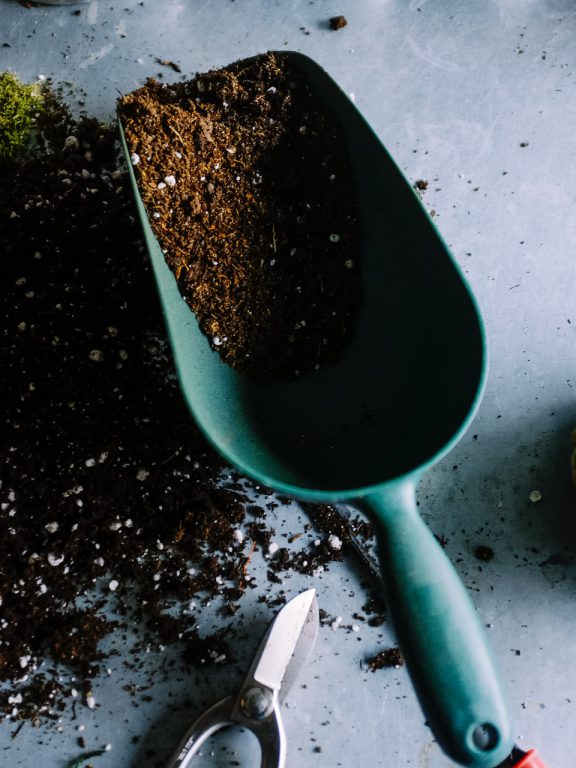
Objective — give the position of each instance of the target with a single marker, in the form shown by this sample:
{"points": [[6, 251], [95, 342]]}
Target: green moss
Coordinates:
{"points": [[79, 761], [20, 106]]}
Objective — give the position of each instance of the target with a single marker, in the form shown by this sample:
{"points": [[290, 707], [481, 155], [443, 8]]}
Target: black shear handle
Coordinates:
{"points": [[269, 732]]}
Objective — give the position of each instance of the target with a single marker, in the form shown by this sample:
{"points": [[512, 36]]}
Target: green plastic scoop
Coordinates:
{"points": [[364, 431]]}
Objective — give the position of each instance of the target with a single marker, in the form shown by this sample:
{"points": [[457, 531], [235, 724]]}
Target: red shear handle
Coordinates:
{"points": [[531, 760]]}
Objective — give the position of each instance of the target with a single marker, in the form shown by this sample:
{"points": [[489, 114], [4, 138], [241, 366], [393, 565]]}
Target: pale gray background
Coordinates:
{"points": [[453, 89]]}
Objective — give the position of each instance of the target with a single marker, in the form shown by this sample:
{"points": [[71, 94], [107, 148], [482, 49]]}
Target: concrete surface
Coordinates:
{"points": [[479, 99]]}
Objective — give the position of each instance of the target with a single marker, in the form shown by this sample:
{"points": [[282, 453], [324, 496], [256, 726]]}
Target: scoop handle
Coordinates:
{"points": [[439, 632]]}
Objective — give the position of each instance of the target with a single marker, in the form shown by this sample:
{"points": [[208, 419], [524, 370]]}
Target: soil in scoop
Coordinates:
{"points": [[249, 192]]}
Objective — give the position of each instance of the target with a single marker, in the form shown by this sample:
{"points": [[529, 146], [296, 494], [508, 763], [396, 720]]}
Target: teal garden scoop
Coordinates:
{"points": [[363, 431]]}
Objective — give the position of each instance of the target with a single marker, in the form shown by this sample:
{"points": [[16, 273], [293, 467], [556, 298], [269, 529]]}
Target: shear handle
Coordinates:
{"points": [[269, 732]]}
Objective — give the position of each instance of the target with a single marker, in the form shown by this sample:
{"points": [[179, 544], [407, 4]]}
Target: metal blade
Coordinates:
{"points": [[290, 637]]}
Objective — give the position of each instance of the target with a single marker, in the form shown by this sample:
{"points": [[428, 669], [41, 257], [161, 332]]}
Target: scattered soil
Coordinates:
{"points": [[111, 502], [249, 192]]}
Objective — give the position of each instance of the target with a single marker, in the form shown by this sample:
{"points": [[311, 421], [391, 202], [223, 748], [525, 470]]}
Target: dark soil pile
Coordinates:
{"points": [[109, 496], [249, 192]]}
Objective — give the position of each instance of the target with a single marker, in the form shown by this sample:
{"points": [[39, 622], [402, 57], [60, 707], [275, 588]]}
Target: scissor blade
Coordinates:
{"points": [[286, 636]]}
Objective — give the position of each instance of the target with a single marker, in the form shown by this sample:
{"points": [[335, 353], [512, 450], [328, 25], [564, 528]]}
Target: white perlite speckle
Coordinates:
{"points": [[162, 185], [51, 527], [115, 526], [334, 542], [113, 586], [90, 701], [75, 489], [535, 497], [90, 463], [273, 547], [237, 535], [336, 623], [96, 355], [55, 560], [134, 158], [71, 142], [24, 661], [142, 474], [334, 238], [170, 180]]}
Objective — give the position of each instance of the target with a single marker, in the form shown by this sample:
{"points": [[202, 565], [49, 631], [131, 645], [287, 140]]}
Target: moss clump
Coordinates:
{"points": [[20, 107]]}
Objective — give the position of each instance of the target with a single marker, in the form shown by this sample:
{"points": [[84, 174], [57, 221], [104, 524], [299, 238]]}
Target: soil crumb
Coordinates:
{"points": [[390, 657], [338, 22], [484, 553]]}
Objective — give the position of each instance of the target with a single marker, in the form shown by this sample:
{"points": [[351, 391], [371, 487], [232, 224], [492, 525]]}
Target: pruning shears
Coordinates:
{"points": [[256, 706]]}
